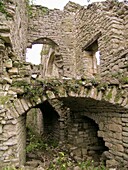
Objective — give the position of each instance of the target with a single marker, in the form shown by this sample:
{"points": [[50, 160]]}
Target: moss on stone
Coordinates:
{"points": [[3, 9], [45, 10], [109, 95], [20, 83], [4, 99], [102, 86], [124, 80], [118, 96]]}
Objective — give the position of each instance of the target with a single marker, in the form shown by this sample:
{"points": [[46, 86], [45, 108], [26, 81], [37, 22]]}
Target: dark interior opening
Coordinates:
{"points": [[95, 145], [51, 127], [83, 133]]}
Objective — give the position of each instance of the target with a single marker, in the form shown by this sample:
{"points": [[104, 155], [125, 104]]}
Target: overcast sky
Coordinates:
{"points": [[60, 3]]}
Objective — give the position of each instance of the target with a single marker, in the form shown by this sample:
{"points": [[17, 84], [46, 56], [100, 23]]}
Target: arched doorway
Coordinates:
{"points": [[83, 136]]}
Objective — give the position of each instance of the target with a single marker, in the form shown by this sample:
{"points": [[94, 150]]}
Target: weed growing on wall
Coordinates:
{"points": [[30, 3], [3, 9], [35, 141]]}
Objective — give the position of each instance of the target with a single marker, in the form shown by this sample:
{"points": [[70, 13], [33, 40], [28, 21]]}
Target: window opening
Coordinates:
{"points": [[98, 57], [93, 55], [33, 54]]}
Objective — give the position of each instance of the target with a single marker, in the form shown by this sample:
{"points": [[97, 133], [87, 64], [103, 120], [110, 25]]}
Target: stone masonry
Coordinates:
{"points": [[81, 103]]}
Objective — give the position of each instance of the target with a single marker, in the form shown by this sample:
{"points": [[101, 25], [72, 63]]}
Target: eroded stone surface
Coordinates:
{"points": [[88, 102]]}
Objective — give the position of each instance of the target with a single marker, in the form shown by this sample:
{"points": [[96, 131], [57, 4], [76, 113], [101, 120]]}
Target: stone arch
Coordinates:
{"points": [[108, 120], [94, 105], [14, 128], [83, 134], [44, 40], [112, 94], [14, 131], [51, 59], [53, 69]]}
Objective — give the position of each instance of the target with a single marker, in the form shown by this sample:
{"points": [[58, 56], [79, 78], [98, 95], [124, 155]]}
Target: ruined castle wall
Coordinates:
{"points": [[19, 29], [57, 26], [8, 138], [21, 139], [104, 18], [111, 129], [69, 39], [44, 23], [14, 26]]}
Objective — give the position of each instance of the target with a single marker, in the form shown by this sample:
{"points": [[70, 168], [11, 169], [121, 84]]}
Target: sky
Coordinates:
{"points": [[33, 54], [51, 4]]}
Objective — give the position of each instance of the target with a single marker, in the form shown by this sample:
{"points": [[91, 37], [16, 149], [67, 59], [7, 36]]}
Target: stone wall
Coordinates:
{"points": [[110, 129], [51, 62], [77, 102], [103, 24], [34, 121], [14, 26], [86, 143], [46, 25], [21, 139]]}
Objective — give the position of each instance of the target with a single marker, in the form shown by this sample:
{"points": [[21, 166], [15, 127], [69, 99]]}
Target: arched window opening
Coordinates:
{"points": [[44, 52]]}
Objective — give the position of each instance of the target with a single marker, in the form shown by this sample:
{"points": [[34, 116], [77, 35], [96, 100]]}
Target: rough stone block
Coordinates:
{"points": [[125, 129], [1, 129], [111, 163], [24, 104], [125, 134], [125, 156], [13, 71], [115, 127]]}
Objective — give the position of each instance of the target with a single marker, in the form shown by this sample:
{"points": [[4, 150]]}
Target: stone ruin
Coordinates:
{"points": [[79, 101]]}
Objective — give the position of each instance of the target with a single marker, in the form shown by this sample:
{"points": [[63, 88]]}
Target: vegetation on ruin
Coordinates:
{"points": [[30, 3], [118, 95], [11, 168], [63, 163], [124, 80], [3, 9], [57, 157], [121, 77], [34, 91], [30, 91], [29, 7], [109, 95], [4, 99], [36, 142]]}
